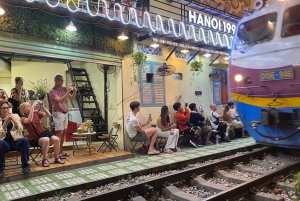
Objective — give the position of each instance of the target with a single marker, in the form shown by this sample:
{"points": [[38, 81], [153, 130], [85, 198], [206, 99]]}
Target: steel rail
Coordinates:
{"points": [[245, 188], [157, 183]]}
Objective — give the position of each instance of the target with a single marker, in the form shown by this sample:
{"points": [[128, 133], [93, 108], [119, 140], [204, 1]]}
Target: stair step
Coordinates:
{"points": [[87, 94], [89, 108], [84, 88], [85, 117], [79, 74], [81, 80], [78, 69], [88, 101]]}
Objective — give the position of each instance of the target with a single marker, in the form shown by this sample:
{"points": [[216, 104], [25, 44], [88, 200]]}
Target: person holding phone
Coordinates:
{"points": [[135, 129], [11, 137], [167, 130], [59, 95], [39, 136], [182, 117]]}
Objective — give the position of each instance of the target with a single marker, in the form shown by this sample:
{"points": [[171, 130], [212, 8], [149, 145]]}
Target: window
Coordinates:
{"points": [[152, 94], [255, 31], [291, 22]]}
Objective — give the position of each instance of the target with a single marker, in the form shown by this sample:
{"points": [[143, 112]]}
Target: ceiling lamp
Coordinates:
{"points": [[207, 54], [154, 45], [184, 51], [71, 27], [2, 11], [122, 36], [226, 58]]}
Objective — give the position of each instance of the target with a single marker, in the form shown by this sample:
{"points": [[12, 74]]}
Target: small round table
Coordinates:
{"points": [[87, 136]]}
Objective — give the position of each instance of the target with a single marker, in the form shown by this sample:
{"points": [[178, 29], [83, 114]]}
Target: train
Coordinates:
{"points": [[264, 72]]}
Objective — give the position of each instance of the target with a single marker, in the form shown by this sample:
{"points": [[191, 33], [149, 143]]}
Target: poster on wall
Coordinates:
{"points": [[220, 86]]}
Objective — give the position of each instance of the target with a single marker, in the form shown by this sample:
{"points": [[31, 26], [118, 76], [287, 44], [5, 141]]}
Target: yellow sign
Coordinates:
{"points": [[277, 75]]}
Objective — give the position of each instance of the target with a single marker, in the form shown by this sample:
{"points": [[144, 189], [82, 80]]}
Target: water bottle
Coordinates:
{"points": [[217, 140]]}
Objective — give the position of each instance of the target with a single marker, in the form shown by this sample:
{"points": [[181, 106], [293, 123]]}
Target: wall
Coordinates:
{"points": [[5, 84], [174, 89]]}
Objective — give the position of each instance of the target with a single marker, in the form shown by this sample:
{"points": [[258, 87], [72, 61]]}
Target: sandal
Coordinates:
{"points": [[45, 163], [178, 149], [61, 156], [65, 154], [169, 151], [244, 136], [59, 161]]}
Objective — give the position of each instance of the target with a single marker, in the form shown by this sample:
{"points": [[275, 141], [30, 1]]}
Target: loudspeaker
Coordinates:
{"points": [[149, 77]]}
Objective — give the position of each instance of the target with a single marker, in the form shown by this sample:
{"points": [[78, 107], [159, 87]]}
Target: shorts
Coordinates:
{"points": [[205, 129], [35, 142], [190, 131], [60, 120], [222, 127], [140, 137], [238, 125]]}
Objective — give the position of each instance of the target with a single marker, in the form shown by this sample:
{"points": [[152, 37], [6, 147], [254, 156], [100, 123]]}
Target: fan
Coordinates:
{"points": [[166, 70], [215, 77], [107, 68]]}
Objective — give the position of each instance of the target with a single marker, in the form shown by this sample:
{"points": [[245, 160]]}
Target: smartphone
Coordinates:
{"points": [[149, 116], [186, 104]]}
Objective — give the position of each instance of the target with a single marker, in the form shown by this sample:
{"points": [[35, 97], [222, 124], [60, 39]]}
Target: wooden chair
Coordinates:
{"points": [[110, 140]]}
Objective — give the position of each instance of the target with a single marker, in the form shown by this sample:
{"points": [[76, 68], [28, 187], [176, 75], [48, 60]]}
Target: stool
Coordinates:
{"points": [[134, 143]]}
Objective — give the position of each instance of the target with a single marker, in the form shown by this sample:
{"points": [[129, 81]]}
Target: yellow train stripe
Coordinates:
{"points": [[266, 102]]}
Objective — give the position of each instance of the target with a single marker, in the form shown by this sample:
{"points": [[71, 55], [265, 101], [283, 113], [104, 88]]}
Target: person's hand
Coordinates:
{"points": [[8, 119], [173, 126], [74, 88], [35, 103], [70, 88], [149, 120]]}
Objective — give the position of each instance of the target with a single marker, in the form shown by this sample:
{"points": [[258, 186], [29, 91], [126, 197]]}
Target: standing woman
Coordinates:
{"points": [[23, 95], [14, 100], [166, 130]]}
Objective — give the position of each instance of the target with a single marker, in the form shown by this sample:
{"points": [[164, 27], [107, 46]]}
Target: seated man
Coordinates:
{"points": [[182, 117], [218, 125], [11, 137], [134, 128], [197, 119], [38, 134], [236, 122]]}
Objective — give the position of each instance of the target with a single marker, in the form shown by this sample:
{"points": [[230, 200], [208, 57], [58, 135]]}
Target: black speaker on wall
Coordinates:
{"points": [[149, 77]]}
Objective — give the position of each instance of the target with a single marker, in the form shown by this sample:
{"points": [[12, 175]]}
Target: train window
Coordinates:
{"points": [[291, 22], [255, 31]]}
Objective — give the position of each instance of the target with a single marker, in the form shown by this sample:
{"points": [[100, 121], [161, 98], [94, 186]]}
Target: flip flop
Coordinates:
{"points": [[45, 163], [59, 161]]}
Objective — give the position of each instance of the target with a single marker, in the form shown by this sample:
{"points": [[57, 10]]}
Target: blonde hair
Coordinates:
{"points": [[22, 106]]}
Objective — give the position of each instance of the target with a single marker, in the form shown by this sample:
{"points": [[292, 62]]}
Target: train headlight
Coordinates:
{"points": [[238, 77]]}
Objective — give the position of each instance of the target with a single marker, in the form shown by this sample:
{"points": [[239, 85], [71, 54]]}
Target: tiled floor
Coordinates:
{"points": [[31, 186]]}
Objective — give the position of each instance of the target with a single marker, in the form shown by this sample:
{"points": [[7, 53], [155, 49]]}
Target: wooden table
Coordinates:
{"points": [[87, 136]]}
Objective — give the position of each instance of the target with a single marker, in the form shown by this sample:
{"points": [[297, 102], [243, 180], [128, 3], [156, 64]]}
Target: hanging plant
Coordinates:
{"points": [[139, 59], [196, 67]]}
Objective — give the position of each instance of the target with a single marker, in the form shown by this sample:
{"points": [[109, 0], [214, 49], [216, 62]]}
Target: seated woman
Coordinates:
{"points": [[166, 130], [15, 101], [11, 138], [226, 116], [3, 95], [38, 134]]}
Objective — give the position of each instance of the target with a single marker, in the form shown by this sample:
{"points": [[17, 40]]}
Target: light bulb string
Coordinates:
{"points": [[189, 32]]}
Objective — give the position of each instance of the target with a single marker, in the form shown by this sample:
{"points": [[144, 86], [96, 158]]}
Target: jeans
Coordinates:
{"points": [[21, 145]]}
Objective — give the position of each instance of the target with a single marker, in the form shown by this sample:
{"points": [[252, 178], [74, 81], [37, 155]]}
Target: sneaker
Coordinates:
{"points": [[153, 152], [26, 170], [199, 145], [226, 138], [1, 174], [193, 143]]}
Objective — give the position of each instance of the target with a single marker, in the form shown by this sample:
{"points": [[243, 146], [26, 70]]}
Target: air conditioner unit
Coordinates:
{"points": [[4, 68]]}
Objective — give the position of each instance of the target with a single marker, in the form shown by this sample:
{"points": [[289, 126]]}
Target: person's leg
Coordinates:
{"points": [[22, 145], [44, 143], [56, 145], [151, 133], [4, 147], [63, 137], [208, 131]]}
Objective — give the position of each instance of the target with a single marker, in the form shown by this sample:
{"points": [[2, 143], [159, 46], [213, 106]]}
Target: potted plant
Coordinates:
{"points": [[139, 58], [41, 88], [196, 67]]}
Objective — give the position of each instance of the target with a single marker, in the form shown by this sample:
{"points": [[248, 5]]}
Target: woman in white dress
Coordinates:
{"points": [[167, 130]]}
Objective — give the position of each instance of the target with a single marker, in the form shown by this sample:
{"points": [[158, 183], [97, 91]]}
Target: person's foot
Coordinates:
{"points": [[59, 161], [226, 138], [1, 174], [45, 163], [153, 152], [194, 144], [177, 149], [169, 151], [26, 170]]}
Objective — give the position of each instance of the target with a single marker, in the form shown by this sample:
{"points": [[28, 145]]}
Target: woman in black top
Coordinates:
{"points": [[14, 101]]}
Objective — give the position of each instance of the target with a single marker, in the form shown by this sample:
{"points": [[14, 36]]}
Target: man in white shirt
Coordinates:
{"points": [[236, 122], [135, 131], [216, 124]]}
